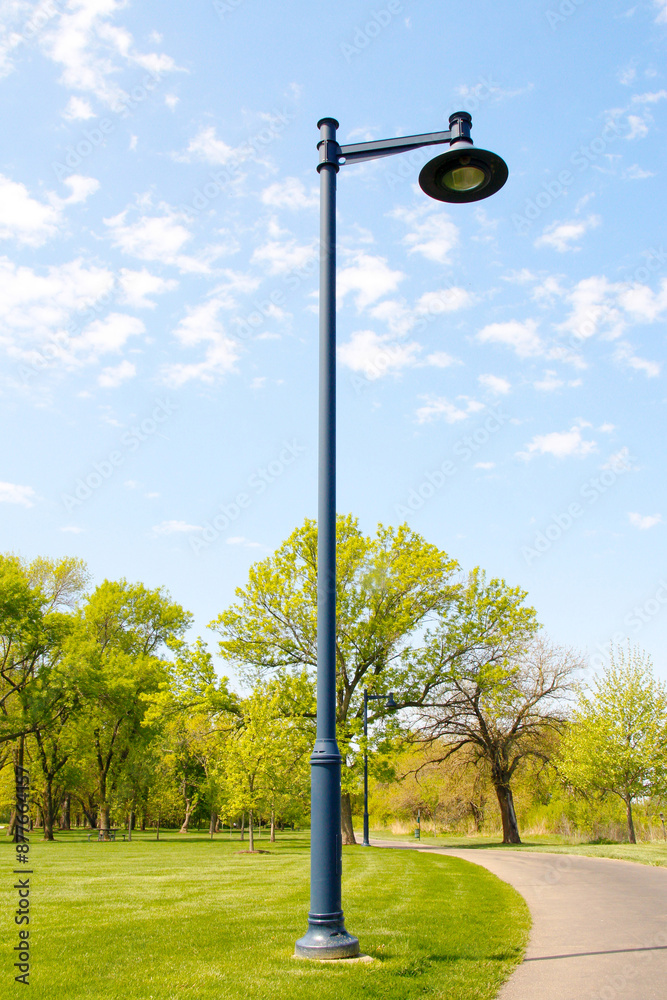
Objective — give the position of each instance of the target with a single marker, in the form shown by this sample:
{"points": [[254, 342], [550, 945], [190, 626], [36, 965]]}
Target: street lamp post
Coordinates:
{"points": [[390, 704], [463, 173]]}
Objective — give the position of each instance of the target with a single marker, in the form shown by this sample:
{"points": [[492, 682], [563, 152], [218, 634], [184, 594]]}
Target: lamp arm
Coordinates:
{"points": [[358, 152]]}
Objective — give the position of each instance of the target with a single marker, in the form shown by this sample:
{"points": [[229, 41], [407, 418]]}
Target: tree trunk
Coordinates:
{"points": [[12, 824], [48, 811], [130, 824], [242, 826], [188, 812], [65, 821], [251, 833], [273, 827], [158, 827], [213, 824], [142, 826], [104, 821], [506, 803], [631, 824], [346, 819]]}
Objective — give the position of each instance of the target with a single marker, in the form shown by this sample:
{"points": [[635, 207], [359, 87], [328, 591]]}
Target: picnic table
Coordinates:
{"points": [[100, 834]]}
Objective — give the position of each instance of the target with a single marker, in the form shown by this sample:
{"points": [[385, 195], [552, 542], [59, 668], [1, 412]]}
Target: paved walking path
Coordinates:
{"points": [[599, 926]]}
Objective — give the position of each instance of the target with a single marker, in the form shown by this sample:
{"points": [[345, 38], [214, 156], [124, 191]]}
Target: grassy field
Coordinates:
{"points": [[192, 918], [649, 853]]}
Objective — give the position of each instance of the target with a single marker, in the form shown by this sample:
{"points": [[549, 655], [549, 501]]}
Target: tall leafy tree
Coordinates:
{"points": [[617, 741], [405, 617], [118, 654], [500, 702]]}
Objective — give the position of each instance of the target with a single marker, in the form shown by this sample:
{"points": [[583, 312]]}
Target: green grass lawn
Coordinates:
{"points": [[192, 918], [649, 853]]}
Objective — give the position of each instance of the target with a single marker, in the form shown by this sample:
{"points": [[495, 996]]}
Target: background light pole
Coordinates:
{"points": [[463, 173], [390, 704]]}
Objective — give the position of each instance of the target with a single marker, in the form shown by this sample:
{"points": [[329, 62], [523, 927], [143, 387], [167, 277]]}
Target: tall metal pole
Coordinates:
{"points": [[326, 936], [366, 841]]}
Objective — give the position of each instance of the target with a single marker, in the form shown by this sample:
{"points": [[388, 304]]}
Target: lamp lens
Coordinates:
{"points": [[463, 178]]}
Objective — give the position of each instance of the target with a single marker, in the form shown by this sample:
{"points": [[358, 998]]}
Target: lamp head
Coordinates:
{"points": [[390, 700], [464, 173]]}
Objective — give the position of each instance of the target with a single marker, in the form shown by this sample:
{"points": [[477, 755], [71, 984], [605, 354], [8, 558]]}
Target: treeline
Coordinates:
{"points": [[120, 720]]}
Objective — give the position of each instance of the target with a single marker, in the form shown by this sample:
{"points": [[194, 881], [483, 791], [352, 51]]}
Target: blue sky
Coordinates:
{"points": [[501, 365]]}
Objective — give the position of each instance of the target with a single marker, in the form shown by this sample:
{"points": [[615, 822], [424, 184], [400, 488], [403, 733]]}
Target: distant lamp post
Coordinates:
{"points": [[662, 820], [390, 704], [464, 173]]}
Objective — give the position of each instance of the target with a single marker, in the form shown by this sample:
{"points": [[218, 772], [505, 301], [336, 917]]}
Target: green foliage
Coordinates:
{"points": [[617, 742]]}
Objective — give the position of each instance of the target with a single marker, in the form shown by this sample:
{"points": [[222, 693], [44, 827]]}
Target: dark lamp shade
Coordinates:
{"points": [[463, 174]]}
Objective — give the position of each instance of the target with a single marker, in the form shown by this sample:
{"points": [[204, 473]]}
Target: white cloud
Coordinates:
{"points": [[156, 238], [438, 406], [282, 256], [207, 148], [37, 308], [375, 356], [108, 335], [521, 337], [171, 100], [136, 286], [642, 302], [594, 309], [434, 236], [401, 318], [440, 359], [638, 127], [370, 277], [13, 493], [92, 51], [23, 218], [201, 325], [175, 527], [644, 521], [561, 444], [81, 188], [495, 384], [549, 382], [562, 235], [290, 193], [661, 17], [240, 540], [78, 109], [637, 173], [650, 98], [110, 378], [624, 355], [621, 461], [485, 465]]}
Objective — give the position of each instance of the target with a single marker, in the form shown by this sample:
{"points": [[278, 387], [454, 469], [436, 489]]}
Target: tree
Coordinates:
{"points": [[267, 747], [114, 651], [617, 740], [404, 622], [502, 700], [386, 589]]}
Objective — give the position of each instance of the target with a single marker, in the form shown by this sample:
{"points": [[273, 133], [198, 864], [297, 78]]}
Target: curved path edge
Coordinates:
{"points": [[599, 927]]}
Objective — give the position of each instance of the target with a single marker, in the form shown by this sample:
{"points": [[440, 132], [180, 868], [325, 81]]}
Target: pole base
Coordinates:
{"points": [[326, 938]]}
